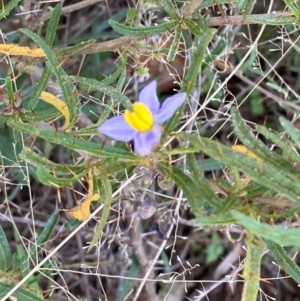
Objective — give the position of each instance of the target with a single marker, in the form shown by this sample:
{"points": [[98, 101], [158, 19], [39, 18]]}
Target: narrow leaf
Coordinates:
{"points": [[41, 86], [89, 84], [194, 27], [201, 44], [10, 92], [75, 49], [292, 130], [256, 146], [36, 160], [173, 51], [190, 80], [103, 187], [251, 271], [5, 254], [59, 105], [213, 220], [20, 293], [208, 3], [245, 7], [53, 24], [13, 49], [262, 172], [285, 145], [142, 31], [193, 190], [114, 76], [293, 7], [48, 179], [6, 9], [284, 260], [45, 235], [170, 8], [278, 234], [75, 143], [69, 92]]}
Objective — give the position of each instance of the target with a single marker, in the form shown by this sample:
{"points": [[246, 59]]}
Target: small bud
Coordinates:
{"points": [[148, 208], [143, 179], [165, 182], [142, 74]]}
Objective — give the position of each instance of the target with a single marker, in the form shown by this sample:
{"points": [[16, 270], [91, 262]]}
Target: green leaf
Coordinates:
{"points": [[70, 95], [21, 294], [190, 80], [132, 15], [258, 147], [141, 31], [114, 76], [5, 254], [193, 190], [293, 131], [278, 234], [285, 145], [45, 235], [46, 178], [208, 3], [132, 273], [6, 9], [268, 19], [40, 115], [170, 8], [251, 273], [24, 257], [245, 7], [122, 80], [75, 49], [198, 176], [36, 160], [10, 148], [200, 44], [111, 166], [209, 164], [53, 24], [173, 51], [295, 9], [41, 86], [48, 230], [262, 172], [213, 220], [194, 27], [285, 261], [75, 143], [90, 85], [103, 187], [10, 92]]}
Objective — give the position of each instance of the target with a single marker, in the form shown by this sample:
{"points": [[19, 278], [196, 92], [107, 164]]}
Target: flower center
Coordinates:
{"points": [[141, 119]]}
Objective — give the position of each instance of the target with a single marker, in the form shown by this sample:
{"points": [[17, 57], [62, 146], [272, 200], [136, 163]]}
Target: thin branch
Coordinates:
{"points": [[124, 42], [71, 8]]}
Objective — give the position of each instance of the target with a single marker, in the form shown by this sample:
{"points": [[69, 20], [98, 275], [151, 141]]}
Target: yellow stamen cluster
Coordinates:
{"points": [[141, 119]]}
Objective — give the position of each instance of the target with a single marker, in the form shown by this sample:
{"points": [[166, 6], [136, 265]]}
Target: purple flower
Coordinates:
{"points": [[143, 125]]}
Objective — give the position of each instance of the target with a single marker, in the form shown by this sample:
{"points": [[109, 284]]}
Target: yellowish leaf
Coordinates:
{"points": [[13, 49], [82, 211], [59, 105], [243, 149]]}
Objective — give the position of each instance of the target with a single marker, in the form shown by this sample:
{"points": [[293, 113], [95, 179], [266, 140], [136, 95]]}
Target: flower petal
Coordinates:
{"points": [[169, 107], [145, 142], [148, 96], [117, 128]]}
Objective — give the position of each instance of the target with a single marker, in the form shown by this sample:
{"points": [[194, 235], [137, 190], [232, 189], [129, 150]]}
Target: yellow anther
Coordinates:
{"points": [[141, 119]]}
